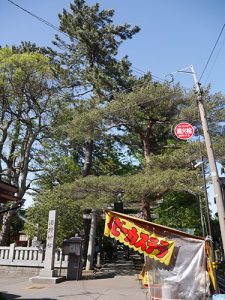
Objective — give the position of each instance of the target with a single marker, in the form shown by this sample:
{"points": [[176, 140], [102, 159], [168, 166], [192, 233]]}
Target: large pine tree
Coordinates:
{"points": [[88, 58]]}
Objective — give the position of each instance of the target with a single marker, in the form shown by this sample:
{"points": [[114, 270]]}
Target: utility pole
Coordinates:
{"points": [[211, 159]]}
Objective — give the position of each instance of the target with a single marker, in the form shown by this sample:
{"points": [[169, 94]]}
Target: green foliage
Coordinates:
{"points": [[58, 169], [90, 69], [68, 211], [151, 102], [168, 170], [90, 53], [180, 211], [26, 69], [28, 103], [100, 191], [17, 225], [110, 158], [178, 155], [143, 117], [216, 234]]}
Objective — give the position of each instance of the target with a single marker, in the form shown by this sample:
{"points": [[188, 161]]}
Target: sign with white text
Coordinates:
{"points": [[184, 131]]}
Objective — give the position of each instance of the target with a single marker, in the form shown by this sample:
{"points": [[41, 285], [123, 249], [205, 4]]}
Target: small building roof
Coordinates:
{"points": [[7, 192]]}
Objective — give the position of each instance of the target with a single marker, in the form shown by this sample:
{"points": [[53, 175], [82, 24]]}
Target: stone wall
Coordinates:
{"points": [[27, 271]]}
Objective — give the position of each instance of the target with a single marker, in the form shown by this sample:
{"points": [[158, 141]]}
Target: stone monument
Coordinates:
{"points": [[47, 274]]}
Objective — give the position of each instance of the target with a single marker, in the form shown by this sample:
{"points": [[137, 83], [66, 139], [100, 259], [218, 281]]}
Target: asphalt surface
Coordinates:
{"points": [[115, 281]]}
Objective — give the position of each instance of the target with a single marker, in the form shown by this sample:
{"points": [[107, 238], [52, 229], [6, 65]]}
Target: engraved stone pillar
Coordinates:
{"points": [[48, 270]]}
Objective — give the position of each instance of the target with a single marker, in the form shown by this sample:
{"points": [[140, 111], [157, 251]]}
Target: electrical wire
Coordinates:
{"points": [[206, 65], [214, 62], [137, 70], [39, 18], [141, 72]]}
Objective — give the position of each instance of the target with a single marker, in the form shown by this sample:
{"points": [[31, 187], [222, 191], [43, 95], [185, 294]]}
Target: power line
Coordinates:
{"points": [[141, 72], [214, 62], [137, 70], [39, 18], [212, 52]]}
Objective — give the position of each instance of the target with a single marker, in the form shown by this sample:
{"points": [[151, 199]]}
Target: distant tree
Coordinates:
{"points": [[28, 47], [180, 210], [216, 234], [17, 225], [69, 216], [57, 163]]}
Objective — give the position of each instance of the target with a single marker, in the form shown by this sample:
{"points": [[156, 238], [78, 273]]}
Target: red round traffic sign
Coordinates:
{"points": [[184, 131]]}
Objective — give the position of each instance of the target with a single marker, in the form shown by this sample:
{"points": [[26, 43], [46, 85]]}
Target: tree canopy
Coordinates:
{"points": [[28, 103]]}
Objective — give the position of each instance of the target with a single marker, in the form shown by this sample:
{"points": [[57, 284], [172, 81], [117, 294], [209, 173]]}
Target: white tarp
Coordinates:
{"points": [[185, 277]]}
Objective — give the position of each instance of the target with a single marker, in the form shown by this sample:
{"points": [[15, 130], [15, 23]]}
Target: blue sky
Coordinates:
{"points": [[174, 34]]}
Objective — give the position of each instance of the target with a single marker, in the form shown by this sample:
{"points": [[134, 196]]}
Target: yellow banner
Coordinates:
{"points": [[209, 265], [139, 239]]}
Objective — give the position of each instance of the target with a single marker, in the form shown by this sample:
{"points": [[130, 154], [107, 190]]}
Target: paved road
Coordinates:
{"points": [[115, 282]]}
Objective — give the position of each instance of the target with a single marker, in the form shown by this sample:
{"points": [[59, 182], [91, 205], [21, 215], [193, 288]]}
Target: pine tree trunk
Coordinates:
{"points": [[144, 198], [88, 150], [145, 207], [4, 234], [147, 150]]}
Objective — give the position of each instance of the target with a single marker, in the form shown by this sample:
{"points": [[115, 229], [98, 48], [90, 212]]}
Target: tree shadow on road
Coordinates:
{"points": [[8, 296]]}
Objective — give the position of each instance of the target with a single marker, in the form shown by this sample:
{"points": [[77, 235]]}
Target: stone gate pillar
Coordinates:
{"points": [[91, 244]]}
